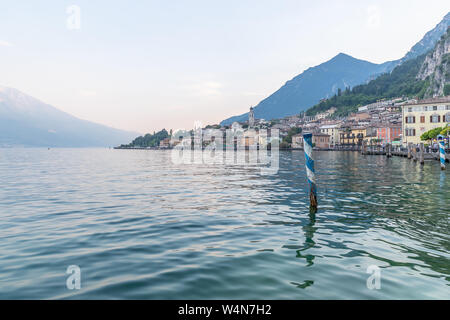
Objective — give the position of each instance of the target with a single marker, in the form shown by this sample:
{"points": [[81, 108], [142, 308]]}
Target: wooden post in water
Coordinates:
{"points": [[364, 148], [422, 156], [310, 173], [442, 154], [414, 153], [409, 150]]}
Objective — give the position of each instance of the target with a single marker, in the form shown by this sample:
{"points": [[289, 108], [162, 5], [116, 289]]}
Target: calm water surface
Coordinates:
{"points": [[141, 227]]}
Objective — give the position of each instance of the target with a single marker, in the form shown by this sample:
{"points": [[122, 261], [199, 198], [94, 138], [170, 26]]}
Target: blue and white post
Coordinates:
{"points": [[310, 173], [442, 154]]}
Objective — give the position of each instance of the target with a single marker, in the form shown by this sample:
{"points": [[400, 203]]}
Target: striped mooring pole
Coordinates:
{"points": [[442, 154], [310, 173]]}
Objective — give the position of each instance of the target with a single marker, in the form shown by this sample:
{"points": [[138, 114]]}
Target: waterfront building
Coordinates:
{"points": [[344, 134], [297, 141], [333, 131], [388, 133], [352, 136], [421, 116], [369, 135], [165, 143], [319, 140]]}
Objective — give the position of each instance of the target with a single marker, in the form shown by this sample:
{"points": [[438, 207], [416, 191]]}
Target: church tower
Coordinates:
{"points": [[251, 118]]}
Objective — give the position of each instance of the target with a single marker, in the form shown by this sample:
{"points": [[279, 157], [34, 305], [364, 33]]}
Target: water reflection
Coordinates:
{"points": [[309, 231]]}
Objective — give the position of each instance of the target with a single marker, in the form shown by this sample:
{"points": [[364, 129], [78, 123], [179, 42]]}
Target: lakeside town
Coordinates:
{"points": [[397, 122], [405, 107]]}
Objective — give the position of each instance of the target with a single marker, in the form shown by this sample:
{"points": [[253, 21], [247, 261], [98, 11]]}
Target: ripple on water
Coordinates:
{"points": [[141, 227]]}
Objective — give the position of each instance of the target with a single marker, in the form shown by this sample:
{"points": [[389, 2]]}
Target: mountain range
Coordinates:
{"points": [[324, 80], [26, 121], [425, 76]]}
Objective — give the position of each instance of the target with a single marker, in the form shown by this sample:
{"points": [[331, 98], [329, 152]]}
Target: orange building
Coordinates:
{"points": [[388, 134]]}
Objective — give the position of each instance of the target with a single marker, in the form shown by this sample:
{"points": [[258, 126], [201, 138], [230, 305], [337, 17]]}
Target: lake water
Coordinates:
{"points": [[140, 227]]}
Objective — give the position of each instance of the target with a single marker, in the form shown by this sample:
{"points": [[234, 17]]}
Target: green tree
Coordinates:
{"points": [[431, 134]]}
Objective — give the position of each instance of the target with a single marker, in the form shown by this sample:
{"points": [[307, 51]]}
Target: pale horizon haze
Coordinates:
{"points": [[147, 65]]}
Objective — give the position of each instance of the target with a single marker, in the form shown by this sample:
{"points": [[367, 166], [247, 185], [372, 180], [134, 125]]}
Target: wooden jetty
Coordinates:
{"points": [[413, 152]]}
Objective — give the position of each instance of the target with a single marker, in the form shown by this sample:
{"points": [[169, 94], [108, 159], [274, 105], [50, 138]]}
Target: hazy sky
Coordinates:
{"points": [[145, 65]]}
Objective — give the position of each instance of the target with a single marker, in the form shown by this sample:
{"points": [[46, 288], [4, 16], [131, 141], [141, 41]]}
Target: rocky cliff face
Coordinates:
{"points": [[436, 67], [428, 42]]}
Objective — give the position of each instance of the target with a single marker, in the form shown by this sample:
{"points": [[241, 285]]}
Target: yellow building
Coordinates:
{"points": [[422, 116], [352, 136]]}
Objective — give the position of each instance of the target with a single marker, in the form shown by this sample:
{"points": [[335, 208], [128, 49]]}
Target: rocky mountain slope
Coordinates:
{"points": [[436, 68], [429, 40]]}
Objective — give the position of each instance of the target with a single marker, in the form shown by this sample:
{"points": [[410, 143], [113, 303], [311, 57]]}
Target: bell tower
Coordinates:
{"points": [[251, 118]]}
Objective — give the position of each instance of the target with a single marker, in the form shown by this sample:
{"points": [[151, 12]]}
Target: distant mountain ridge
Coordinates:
{"points": [[314, 84], [402, 81], [26, 121], [324, 80], [425, 76]]}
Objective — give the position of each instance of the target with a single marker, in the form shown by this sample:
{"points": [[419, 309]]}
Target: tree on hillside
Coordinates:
{"points": [[149, 140]]}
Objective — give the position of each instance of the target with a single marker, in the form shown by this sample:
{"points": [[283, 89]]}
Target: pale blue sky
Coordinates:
{"points": [[145, 65]]}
